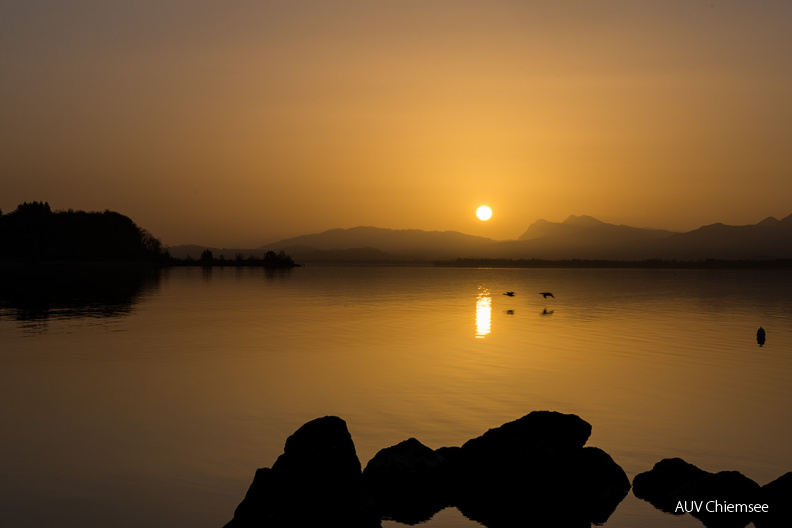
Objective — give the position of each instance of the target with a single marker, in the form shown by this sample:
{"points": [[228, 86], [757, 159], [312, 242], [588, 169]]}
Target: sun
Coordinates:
{"points": [[484, 213]]}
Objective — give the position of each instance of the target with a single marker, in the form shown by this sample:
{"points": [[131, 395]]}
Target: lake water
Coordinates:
{"points": [[151, 403]]}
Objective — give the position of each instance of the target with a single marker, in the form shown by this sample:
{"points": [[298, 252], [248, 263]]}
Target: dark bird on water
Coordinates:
{"points": [[760, 336], [546, 294], [510, 294]]}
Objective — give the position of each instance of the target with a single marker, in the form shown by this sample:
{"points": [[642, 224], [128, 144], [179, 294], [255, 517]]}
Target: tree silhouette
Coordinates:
{"points": [[33, 232], [33, 208]]}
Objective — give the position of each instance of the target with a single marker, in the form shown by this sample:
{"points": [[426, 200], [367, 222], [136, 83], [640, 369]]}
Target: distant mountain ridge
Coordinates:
{"points": [[577, 237], [769, 239], [400, 244], [579, 224], [584, 237]]}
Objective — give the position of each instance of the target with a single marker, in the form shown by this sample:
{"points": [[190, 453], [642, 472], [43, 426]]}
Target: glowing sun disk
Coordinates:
{"points": [[484, 212]]}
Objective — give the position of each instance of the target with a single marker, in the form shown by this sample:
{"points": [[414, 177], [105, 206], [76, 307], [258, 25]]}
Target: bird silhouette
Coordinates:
{"points": [[510, 294], [760, 336], [546, 294]]}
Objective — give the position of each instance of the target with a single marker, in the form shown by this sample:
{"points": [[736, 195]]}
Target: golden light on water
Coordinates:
{"points": [[483, 313]]}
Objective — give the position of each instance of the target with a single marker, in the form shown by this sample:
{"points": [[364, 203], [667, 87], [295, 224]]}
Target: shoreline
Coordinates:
{"points": [[105, 265], [780, 264]]}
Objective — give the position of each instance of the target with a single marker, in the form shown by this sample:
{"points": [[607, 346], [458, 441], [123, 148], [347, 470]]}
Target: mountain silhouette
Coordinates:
{"points": [[574, 226], [581, 237], [383, 244], [769, 239], [577, 237]]}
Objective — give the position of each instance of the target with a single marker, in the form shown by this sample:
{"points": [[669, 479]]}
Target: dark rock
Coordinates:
{"points": [[450, 454], [779, 490], [578, 489], [532, 471], [538, 449], [251, 511], [726, 486], [315, 482], [536, 469], [778, 497], [319, 453], [539, 431], [408, 481], [599, 483], [675, 486], [534, 449], [663, 484], [408, 463]]}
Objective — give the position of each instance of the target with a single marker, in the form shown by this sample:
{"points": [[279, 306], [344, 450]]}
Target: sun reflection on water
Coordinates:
{"points": [[483, 312]]}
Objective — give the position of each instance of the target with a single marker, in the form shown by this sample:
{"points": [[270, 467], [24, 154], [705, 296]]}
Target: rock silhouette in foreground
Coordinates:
{"points": [[532, 470], [778, 495], [315, 482], [409, 481], [676, 486]]}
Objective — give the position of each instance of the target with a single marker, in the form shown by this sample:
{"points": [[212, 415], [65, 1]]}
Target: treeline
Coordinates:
{"points": [[641, 264], [33, 232], [270, 260]]}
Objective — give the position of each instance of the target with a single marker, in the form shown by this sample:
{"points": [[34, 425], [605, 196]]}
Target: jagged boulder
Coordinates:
{"points": [[579, 489], [663, 485], [778, 496], [408, 481], [534, 450], [536, 432], [676, 486], [536, 468], [533, 469], [317, 481], [598, 483]]}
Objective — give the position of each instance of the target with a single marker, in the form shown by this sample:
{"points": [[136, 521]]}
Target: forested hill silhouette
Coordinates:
{"points": [[33, 232], [374, 243]]}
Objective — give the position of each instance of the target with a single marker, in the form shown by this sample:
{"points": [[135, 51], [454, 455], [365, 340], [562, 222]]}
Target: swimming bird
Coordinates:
{"points": [[510, 294], [760, 336], [546, 294]]}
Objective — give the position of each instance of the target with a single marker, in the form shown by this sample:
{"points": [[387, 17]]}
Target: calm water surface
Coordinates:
{"points": [[152, 403]]}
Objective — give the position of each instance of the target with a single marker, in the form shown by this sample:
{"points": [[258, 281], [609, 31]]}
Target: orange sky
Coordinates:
{"points": [[243, 122]]}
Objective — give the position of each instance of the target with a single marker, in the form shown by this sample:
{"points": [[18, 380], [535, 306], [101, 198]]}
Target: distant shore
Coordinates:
{"points": [[256, 263], [136, 265], [133, 265], [637, 264]]}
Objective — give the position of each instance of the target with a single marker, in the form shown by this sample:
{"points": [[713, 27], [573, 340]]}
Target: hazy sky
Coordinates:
{"points": [[238, 123]]}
